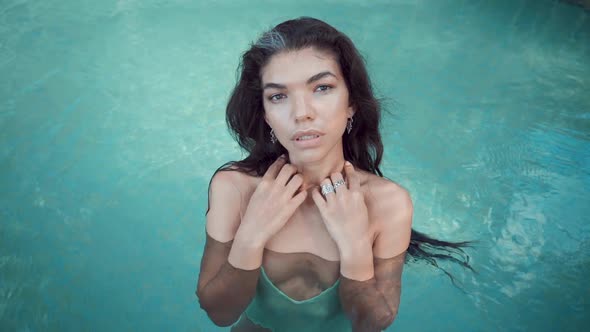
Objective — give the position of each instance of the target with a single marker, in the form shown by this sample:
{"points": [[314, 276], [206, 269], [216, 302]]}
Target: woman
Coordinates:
{"points": [[305, 234]]}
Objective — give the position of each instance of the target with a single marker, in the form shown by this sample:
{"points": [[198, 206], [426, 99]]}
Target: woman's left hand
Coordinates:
{"points": [[344, 211]]}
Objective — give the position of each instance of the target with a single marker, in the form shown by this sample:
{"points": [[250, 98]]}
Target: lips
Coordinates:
{"points": [[304, 135]]}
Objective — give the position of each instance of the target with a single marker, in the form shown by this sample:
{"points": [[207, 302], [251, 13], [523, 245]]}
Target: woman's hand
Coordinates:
{"points": [[273, 202], [344, 211]]}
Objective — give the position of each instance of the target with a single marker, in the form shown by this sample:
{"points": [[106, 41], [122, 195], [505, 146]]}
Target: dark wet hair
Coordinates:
{"points": [[362, 146]]}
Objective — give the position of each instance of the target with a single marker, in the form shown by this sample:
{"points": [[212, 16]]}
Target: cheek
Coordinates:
{"points": [[334, 109], [335, 102], [276, 119]]}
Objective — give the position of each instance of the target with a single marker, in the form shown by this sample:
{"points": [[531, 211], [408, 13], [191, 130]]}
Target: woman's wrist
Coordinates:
{"points": [[356, 263], [246, 253]]}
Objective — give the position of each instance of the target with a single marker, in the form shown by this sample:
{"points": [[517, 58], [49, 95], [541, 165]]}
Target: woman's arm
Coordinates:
{"points": [[231, 289], [361, 299], [372, 304], [230, 269]]}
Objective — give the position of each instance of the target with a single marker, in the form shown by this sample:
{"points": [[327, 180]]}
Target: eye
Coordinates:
{"points": [[323, 88], [276, 97]]}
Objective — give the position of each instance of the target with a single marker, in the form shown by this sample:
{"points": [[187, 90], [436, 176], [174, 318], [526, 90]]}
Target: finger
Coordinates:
{"points": [[335, 178], [285, 174], [294, 184], [329, 196], [294, 204], [351, 176], [274, 168]]}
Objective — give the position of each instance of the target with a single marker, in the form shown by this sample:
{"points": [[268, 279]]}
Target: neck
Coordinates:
{"points": [[315, 172]]}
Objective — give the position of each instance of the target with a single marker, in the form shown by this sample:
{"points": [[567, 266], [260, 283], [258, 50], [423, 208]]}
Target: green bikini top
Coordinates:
{"points": [[273, 309]]}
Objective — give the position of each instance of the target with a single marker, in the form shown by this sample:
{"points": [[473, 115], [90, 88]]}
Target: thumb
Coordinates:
{"points": [[318, 200]]}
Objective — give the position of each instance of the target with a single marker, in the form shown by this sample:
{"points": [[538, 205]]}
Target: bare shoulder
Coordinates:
{"points": [[391, 210], [386, 199], [232, 180], [382, 191], [229, 193]]}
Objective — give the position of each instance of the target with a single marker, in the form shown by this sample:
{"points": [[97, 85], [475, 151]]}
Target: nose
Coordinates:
{"points": [[302, 109]]}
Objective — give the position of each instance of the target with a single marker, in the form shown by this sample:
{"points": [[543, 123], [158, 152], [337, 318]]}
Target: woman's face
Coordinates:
{"points": [[306, 103]]}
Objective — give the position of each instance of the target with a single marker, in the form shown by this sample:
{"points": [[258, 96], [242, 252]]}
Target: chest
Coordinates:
{"points": [[301, 259], [305, 232]]}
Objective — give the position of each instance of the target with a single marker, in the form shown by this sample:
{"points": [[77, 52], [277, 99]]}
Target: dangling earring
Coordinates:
{"points": [[349, 125], [273, 138]]}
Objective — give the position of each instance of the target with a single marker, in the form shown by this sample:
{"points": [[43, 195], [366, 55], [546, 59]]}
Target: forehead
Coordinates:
{"points": [[297, 66]]}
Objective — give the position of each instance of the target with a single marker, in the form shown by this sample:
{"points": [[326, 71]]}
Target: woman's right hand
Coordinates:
{"points": [[273, 202]]}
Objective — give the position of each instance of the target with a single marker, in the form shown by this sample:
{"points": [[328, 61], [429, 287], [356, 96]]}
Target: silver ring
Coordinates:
{"points": [[327, 188], [338, 183]]}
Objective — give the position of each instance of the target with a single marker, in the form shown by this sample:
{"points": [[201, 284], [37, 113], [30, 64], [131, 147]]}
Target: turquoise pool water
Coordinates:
{"points": [[112, 122]]}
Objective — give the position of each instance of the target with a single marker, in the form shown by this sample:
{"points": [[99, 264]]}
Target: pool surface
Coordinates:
{"points": [[112, 123]]}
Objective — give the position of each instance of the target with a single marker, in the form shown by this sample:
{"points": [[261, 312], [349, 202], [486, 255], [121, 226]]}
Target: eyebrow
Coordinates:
{"points": [[312, 79]]}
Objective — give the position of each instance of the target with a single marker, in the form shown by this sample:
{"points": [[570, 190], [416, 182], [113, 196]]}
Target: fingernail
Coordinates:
{"points": [[348, 163]]}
